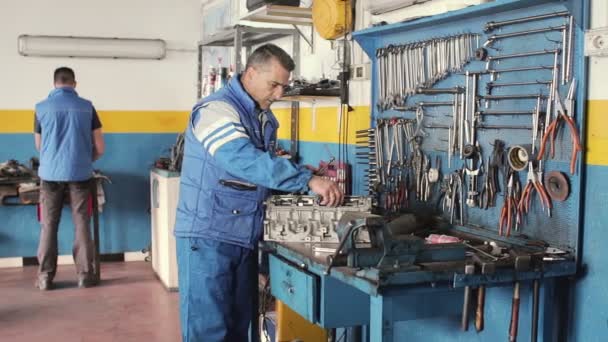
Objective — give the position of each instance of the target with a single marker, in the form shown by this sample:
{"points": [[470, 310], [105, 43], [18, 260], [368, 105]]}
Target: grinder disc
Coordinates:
{"points": [[557, 186]]}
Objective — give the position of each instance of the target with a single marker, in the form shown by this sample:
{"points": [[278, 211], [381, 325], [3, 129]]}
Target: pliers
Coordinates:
{"points": [[507, 208], [567, 115], [510, 208], [534, 183]]}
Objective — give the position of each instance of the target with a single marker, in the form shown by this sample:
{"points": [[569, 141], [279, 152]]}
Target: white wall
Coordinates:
{"points": [[598, 66], [322, 62], [424, 9], [168, 84]]}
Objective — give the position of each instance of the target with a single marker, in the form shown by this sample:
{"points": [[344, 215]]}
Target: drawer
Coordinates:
{"points": [[296, 288]]}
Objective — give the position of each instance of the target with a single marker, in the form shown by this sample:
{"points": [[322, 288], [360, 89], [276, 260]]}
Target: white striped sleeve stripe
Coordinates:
{"points": [[203, 132], [216, 134], [214, 119], [220, 142]]}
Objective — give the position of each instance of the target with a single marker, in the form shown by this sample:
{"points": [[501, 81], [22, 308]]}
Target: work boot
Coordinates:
{"points": [[86, 281], [44, 284]]}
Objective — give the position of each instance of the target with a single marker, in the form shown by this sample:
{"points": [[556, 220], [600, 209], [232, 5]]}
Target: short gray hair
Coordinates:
{"points": [[263, 54]]}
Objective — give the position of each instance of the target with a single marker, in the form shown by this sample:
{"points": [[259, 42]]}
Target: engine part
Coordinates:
{"points": [[292, 218], [519, 156]]}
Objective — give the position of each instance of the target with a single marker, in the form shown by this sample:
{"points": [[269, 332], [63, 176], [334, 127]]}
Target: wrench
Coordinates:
{"points": [[518, 55], [496, 37], [490, 26]]}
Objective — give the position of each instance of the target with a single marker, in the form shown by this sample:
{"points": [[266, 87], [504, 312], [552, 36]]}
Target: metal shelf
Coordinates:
{"points": [[308, 98], [278, 14], [242, 36], [249, 36]]}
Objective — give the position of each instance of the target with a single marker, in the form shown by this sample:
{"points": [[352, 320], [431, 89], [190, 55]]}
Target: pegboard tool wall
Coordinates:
{"points": [[562, 229]]}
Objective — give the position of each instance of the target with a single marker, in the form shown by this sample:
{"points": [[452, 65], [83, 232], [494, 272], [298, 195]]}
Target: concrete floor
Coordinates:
{"points": [[130, 304]]}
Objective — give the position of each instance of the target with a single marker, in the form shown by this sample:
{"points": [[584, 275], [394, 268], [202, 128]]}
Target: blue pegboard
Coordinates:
{"points": [[562, 229]]}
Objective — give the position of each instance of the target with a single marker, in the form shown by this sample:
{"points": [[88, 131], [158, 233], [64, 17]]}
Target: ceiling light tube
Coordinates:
{"points": [[91, 47]]}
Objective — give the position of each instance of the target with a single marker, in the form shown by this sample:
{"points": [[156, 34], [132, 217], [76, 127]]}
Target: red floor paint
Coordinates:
{"points": [[130, 304]]}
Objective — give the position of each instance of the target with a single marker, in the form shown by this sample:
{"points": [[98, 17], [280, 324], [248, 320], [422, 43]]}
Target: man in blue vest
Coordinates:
{"points": [[67, 132], [228, 170]]}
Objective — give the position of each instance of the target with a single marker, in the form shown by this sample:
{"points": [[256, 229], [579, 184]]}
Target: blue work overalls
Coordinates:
{"points": [[218, 225]]}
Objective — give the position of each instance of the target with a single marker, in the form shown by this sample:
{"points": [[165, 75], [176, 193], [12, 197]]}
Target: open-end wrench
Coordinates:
{"points": [[492, 25], [570, 49], [460, 127], [490, 59], [495, 37], [492, 85], [535, 119]]}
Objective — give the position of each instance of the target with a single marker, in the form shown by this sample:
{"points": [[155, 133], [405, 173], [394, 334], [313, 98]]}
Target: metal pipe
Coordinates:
{"points": [[495, 24]]}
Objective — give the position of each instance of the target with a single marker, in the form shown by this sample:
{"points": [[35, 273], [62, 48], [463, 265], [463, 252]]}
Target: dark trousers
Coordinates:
{"points": [[216, 283], [52, 198]]}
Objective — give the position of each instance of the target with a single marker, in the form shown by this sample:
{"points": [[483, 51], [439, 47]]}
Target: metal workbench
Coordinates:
{"points": [[349, 297], [378, 299]]}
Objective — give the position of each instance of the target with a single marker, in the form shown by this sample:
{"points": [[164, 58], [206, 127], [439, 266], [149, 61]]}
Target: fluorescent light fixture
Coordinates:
{"points": [[91, 47], [377, 7]]}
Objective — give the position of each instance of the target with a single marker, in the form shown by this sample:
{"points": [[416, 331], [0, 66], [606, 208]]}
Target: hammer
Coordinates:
{"points": [[521, 263], [468, 270], [487, 266]]}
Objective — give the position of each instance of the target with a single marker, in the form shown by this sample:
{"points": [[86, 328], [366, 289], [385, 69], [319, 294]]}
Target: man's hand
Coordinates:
{"points": [[328, 190]]}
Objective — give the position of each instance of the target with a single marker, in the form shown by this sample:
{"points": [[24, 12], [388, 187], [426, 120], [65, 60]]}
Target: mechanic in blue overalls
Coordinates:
{"points": [[229, 168]]}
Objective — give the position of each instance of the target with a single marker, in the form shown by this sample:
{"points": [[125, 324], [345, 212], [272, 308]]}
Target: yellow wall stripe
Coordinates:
{"points": [[143, 121], [116, 121], [325, 123], [597, 132], [325, 126], [16, 121], [113, 121]]}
